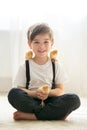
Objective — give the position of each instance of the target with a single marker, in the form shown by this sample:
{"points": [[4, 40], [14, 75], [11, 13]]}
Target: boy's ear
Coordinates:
{"points": [[52, 44], [29, 44]]}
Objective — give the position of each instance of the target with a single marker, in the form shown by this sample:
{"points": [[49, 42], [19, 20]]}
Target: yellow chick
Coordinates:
{"points": [[44, 89], [28, 55], [53, 54]]}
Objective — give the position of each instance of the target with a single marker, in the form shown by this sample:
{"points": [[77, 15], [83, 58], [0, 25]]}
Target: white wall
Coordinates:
{"points": [[5, 61]]}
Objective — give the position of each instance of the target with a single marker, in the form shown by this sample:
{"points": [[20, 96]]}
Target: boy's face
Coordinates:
{"points": [[41, 45]]}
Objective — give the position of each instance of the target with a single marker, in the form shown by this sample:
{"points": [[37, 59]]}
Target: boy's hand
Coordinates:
{"points": [[41, 95]]}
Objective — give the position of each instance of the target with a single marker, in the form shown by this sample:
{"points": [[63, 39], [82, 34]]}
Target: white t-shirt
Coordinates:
{"points": [[40, 75]]}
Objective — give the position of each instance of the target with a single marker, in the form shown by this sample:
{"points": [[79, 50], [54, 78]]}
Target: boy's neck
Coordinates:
{"points": [[40, 61]]}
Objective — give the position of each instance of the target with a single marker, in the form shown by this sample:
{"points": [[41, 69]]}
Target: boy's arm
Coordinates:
{"points": [[31, 93], [59, 90]]}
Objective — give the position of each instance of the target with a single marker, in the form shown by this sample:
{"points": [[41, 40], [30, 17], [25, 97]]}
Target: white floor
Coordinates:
{"points": [[75, 121]]}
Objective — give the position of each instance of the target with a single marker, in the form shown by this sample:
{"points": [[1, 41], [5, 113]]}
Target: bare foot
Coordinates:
{"points": [[64, 118], [18, 115]]}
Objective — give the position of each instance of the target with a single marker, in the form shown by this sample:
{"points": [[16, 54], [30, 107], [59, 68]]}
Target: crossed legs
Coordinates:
{"points": [[28, 108]]}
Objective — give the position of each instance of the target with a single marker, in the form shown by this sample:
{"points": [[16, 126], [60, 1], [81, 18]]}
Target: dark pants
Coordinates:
{"points": [[55, 107]]}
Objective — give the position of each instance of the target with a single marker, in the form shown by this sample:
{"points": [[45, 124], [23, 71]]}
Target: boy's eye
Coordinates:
{"points": [[46, 42], [36, 42]]}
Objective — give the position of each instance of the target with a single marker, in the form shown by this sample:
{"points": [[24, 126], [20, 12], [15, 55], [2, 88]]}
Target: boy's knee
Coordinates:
{"points": [[76, 99], [12, 94]]}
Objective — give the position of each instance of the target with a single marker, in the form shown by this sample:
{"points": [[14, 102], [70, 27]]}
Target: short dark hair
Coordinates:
{"points": [[39, 29]]}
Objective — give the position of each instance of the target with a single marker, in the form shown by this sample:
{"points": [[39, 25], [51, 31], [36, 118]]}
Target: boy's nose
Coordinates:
{"points": [[41, 44]]}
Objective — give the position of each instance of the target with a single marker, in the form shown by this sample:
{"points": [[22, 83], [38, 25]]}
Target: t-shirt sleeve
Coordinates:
{"points": [[20, 78], [60, 74]]}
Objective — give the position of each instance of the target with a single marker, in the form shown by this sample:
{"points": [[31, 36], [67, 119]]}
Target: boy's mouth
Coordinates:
{"points": [[42, 51]]}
